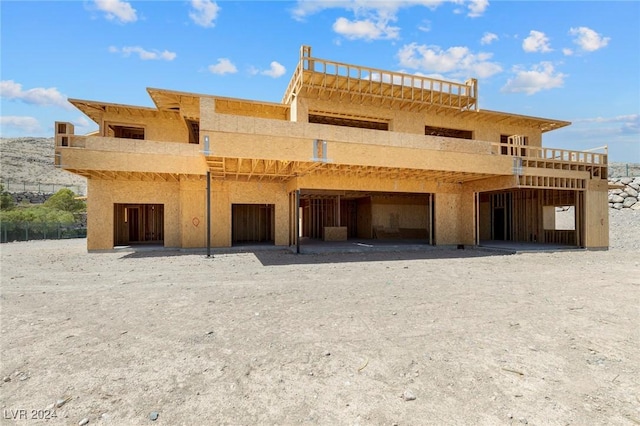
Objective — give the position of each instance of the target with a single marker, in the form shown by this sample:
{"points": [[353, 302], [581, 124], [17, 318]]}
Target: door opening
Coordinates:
{"points": [[138, 224]]}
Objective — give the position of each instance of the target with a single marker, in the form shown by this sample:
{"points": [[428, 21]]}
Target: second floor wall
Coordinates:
{"points": [[467, 124]]}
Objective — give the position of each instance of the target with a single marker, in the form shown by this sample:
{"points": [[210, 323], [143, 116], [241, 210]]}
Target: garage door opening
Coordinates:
{"points": [[531, 216], [253, 224], [138, 224], [343, 215]]}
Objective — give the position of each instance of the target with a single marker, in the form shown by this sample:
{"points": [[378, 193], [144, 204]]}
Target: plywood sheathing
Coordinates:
{"points": [[103, 194]]}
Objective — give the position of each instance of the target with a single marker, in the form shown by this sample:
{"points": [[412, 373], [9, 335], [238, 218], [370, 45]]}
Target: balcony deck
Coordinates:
{"points": [[131, 159], [325, 79], [540, 167]]}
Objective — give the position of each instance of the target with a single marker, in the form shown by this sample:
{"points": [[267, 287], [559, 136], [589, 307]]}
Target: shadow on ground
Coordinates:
{"points": [[276, 256]]}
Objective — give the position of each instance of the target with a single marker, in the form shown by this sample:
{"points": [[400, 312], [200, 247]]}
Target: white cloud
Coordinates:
{"points": [[276, 70], [542, 76], [204, 12], [457, 60], [629, 124], [372, 18], [365, 29], [11, 90], [117, 10], [21, 123], [567, 52], [488, 38], [536, 42], [224, 66], [477, 7], [426, 26], [145, 55], [588, 39]]}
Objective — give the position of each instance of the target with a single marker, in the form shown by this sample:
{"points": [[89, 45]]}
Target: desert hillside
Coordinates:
{"points": [[29, 161]]}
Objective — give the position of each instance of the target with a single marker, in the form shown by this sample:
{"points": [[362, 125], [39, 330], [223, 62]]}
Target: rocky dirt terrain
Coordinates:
{"points": [[269, 337], [436, 337]]}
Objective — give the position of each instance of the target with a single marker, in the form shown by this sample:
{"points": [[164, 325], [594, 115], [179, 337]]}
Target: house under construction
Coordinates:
{"points": [[351, 152]]}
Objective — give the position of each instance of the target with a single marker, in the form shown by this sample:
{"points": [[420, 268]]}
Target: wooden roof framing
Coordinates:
{"points": [[174, 100], [252, 169], [324, 79], [330, 80], [133, 176], [96, 110]]}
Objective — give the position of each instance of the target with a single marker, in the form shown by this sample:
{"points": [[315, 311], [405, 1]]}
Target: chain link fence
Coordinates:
{"points": [[14, 186], [624, 170], [13, 231]]}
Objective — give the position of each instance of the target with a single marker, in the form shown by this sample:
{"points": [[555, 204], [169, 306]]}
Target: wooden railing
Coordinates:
{"points": [[552, 154], [403, 86]]}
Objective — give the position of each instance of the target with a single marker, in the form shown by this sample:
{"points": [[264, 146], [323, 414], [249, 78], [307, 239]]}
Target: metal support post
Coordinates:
{"points": [[208, 213]]}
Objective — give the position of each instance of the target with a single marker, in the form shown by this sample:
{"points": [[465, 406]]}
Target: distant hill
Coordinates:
{"points": [[30, 160], [27, 162]]}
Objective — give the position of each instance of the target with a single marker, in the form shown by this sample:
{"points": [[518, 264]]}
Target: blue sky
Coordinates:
{"points": [[571, 60]]}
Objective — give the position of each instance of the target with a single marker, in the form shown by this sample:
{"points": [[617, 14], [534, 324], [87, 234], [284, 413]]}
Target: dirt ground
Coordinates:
{"points": [[271, 337]]}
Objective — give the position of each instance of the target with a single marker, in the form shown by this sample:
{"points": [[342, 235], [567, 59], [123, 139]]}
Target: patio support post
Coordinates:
{"points": [[297, 221], [208, 213]]}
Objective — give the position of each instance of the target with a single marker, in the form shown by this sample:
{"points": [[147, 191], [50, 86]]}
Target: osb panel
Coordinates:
{"points": [[207, 112], [251, 109], [156, 128], [414, 122], [141, 146], [299, 110], [103, 194], [286, 148], [364, 183], [395, 216], [88, 159], [335, 233], [264, 129], [596, 219], [491, 184], [193, 220], [454, 219]]}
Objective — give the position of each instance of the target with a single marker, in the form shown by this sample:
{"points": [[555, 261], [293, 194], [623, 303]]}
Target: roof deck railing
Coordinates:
{"points": [[402, 86]]}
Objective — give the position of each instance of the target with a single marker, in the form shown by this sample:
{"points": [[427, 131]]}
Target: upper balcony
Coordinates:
{"points": [[325, 79], [254, 148], [112, 157], [541, 167]]}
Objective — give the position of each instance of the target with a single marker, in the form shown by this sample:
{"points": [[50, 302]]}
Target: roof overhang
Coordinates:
{"points": [[544, 124], [97, 110], [173, 100]]}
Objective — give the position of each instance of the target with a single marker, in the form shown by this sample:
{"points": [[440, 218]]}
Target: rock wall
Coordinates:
{"points": [[30, 197], [627, 195]]}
